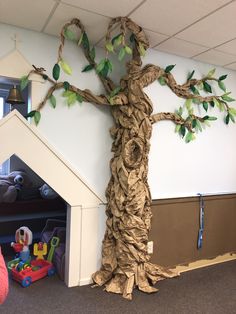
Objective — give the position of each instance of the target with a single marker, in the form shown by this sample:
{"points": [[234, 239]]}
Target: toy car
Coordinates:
{"points": [[26, 273]]}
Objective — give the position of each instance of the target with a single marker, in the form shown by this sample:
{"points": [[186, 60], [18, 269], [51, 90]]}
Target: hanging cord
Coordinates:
{"points": [[201, 222]]}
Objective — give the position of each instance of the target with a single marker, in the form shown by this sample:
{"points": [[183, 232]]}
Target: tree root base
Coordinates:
{"points": [[142, 276]]}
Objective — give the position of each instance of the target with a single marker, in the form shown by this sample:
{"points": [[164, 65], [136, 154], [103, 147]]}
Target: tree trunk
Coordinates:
{"points": [[125, 261]]}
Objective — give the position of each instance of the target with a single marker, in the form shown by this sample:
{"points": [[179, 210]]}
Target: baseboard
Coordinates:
{"points": [[206, 262], [183, 268]]}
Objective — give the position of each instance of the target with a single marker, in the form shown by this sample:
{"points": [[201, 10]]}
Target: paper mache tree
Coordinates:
{"points": [[125, 260]]}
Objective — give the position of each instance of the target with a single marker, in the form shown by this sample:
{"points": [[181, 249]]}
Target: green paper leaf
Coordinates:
{"points": [[177, 128], [115, 91], [199, 126], [128, 50], [110, 66], [85, 41], [169, 68], [121, 54], [69, 34], [45, 77], [65, 67], [194, 123], [109, 47], [222, 85], [53, 101], [66, 85], [141, 50], [212, 118], [88, 67], [79, 98], [211, 73], [189, 137], [105, 69], [205, 105], [71, 99], [132, 38], [37, 117], [190, 75], [200, 86], [56, 72], [24, 81], [67, 93], [225, 97], [92, 53], [117, 40], [188, 103], [223, 77], [162, 80], [80, 39], [194, 90], [232, 111], [227, 119], [100, 65], [182, 130], [207, 87], [232, 118], [30, 114]]}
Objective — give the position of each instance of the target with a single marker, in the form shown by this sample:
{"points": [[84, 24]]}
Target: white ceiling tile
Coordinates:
{"points": [[213, 30], [171, 16], [26, 13], [231, 66], [180, 47], [215, 57], [95, 25], [111, 8], [155, 38], [229, 47]]}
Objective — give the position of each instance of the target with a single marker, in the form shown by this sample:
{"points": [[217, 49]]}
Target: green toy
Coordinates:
{"points": [[54, 244]]}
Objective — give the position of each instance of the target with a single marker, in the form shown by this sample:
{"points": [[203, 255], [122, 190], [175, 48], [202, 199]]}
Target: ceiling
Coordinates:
{"points": [[204, 30]]}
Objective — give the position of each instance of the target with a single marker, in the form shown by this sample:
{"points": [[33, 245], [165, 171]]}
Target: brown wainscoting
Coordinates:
{"points": [[175, 227]]}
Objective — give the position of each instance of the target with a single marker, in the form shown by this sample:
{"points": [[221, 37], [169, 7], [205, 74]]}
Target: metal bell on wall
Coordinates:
{"points": [[15, 97]]}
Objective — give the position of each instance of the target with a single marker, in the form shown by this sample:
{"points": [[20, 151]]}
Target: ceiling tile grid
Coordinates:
{"points": [[180, 47], [95, 24], [204, 30], [26, 13]]}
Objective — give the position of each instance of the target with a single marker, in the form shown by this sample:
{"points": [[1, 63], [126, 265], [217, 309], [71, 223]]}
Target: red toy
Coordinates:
{"points": [[26, 273]]}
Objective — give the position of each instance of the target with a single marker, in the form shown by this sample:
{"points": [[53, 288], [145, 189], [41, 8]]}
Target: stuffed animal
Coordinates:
{"points": [[11, 184], [47, 192]]}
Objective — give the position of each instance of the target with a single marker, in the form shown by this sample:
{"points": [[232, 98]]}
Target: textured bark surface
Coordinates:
{"points": [[125, 260]]}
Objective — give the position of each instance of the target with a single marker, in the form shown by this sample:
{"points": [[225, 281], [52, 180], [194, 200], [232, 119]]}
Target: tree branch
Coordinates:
{"points": [[106, 81], [117, 100], [141, 42]]}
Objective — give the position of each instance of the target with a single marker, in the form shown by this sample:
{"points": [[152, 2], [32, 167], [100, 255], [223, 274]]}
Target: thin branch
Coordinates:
{"points": [[117, 100], [106, 81], [140, 39], [174, 117]]}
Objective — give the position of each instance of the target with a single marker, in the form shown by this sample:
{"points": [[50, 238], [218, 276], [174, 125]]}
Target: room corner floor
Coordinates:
{"points": [[206, 290]]}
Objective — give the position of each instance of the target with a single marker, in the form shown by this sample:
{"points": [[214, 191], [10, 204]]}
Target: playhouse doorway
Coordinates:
{"points": [[36, 207]]}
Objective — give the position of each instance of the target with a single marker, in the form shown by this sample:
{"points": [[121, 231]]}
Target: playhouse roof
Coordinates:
{"points": [[21, 138]]}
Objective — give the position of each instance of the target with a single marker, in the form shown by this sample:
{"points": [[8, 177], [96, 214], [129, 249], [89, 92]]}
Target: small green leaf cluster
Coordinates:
{"points": [[72, 97], [168, 69], [24, 81], [57, 69], [104, 67], [34, 114]]}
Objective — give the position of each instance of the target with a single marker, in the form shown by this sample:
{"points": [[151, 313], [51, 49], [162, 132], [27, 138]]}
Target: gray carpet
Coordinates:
{"points": [[207, 290]]}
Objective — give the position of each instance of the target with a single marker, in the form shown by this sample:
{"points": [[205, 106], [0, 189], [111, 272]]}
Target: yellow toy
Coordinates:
{"points": [[40, 249]]}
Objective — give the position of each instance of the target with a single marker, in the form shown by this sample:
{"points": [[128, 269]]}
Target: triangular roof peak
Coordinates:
{"points": [[24, 140]]}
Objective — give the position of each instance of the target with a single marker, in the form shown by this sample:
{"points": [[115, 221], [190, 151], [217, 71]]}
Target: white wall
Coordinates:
{"points": [[81, 132]]}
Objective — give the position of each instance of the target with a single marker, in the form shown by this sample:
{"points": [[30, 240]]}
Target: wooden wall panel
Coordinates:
{"points": [[175, 227]]}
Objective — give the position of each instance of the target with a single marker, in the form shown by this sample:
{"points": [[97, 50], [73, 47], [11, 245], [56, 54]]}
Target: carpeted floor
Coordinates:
{"points": [[210, 290]]}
